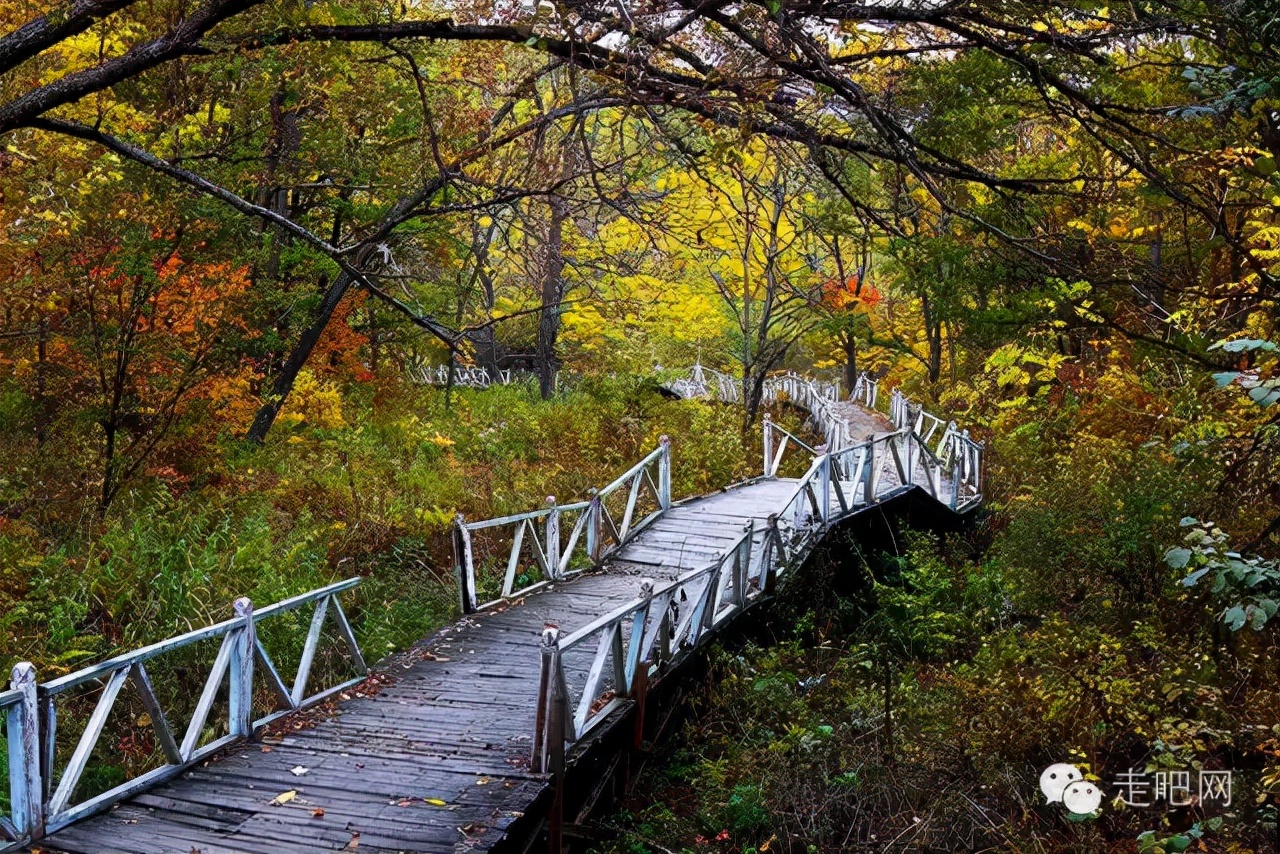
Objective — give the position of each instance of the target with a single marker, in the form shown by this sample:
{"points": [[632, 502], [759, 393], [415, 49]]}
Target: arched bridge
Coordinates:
{"points": [[493, 733]]}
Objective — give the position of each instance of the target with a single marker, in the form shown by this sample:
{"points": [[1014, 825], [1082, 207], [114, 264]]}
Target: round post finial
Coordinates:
{"points": [[23, 673]]}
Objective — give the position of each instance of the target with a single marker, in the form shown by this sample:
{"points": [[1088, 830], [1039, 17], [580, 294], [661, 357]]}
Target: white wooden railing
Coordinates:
{"points": [[587, 674], [465, 376], [537, 540], [44, 798]]}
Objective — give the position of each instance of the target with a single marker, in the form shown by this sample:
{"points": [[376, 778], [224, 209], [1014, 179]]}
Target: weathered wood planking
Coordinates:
{"points": [[439, 759]]}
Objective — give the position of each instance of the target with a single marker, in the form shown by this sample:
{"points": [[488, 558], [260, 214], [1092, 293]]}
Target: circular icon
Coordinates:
{"points": [[1082, 797], [1056, 778]]}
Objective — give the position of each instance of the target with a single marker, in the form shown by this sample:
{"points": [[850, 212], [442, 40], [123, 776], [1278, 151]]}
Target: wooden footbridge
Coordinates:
{"points": [[497, 730]]}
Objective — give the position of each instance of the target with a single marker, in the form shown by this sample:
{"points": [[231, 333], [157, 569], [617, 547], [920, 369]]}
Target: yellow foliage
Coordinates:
{"points": [[314, 401]]}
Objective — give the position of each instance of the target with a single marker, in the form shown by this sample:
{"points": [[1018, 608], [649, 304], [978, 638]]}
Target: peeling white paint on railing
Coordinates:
{"points": [[43, 797]]}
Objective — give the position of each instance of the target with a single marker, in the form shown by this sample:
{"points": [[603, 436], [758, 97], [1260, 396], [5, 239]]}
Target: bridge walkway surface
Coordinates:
{"points": [[437, 751]]}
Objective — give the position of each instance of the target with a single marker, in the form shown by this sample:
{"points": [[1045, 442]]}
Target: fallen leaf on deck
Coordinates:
{"points": [[298, 770], [284, 798], [354, 843], [317, 813], [483, 781], [436, 802]]}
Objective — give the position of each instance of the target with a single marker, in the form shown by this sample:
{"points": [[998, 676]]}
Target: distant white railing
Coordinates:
{"points": [[703, 382], [43, 799], [944, 439], [536, 539], [464, 376]]}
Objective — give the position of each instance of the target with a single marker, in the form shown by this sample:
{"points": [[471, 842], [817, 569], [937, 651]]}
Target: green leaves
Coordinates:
{"points": [[1264, 392], [1248, 588]]}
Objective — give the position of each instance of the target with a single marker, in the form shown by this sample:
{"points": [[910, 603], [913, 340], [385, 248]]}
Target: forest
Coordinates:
{"points": [[249, 247]]}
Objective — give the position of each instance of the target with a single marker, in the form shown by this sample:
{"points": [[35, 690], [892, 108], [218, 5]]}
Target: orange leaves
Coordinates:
{"points": [[852, 294], [339, 351]]}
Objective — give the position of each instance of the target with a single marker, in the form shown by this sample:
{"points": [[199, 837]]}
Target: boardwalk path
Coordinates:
{"points": [[438, 759]]}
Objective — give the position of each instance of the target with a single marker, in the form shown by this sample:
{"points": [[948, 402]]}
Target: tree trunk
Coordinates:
{"points": [[552, 294], [933, 334], [43, 399], [301, 352], [486, 351], [850, 345]]}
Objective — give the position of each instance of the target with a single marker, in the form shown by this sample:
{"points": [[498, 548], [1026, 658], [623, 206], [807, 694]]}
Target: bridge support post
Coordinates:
{"points": [[240, 688], [463, 566], [25, 780]]}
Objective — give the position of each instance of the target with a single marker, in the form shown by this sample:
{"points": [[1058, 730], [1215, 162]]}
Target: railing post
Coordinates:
{"points": [[870, 480], [636, 642], [979, 451], [464, 566], [542, 732], [742, 566], [552, 538], [767, 427], [957, 475], [824, 484], [240, 699], [595, 528], [664, 473], [26, 786], [549, 731], [769, 556]]}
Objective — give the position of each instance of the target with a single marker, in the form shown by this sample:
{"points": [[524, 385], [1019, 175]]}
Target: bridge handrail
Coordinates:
{"points": [[649, 633], [652, 631], [44, 800], [772, 457], [597, 529]]}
